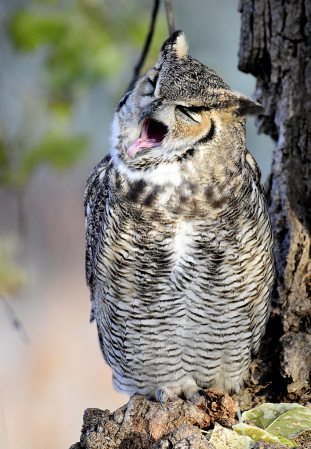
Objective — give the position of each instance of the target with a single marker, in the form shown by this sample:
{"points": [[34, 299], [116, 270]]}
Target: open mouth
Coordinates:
{"points": [[152, 135]]}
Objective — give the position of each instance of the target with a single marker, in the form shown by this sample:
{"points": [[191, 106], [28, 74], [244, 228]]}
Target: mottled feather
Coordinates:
{"points": [[178, 238]]}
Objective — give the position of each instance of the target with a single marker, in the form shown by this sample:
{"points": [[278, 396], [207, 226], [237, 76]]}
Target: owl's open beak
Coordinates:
{"points": [[149, 110], [152, 135]]}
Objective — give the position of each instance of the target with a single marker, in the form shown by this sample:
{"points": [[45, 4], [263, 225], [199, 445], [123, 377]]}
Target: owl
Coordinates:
{"points": [[178, 239]]}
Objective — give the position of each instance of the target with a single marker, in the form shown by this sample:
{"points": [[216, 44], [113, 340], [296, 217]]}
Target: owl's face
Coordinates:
{"points": [[178, 107]]}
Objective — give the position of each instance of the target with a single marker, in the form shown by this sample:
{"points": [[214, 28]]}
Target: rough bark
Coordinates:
{"points": [[142, 424], [275, 47]]}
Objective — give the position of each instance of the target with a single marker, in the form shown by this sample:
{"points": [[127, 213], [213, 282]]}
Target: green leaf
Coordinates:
{"points": [[260, 434], [266, 414], [223, 438], [292, 423]]}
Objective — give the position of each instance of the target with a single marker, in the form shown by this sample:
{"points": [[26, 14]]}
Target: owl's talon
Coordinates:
{"points": [[203, 393], [160, 395]]}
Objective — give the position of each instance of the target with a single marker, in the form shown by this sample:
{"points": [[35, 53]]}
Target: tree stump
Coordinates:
{"points": [[142, 424]]}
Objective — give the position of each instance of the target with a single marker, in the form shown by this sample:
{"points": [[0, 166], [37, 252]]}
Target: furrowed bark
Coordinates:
{"points": [[275, 47]]}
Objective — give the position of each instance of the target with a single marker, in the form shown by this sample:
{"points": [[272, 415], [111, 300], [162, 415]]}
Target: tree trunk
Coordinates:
{"points": [[275, 47]]}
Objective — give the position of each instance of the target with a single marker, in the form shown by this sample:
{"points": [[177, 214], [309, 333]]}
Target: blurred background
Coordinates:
{"points": [[64, 64]]}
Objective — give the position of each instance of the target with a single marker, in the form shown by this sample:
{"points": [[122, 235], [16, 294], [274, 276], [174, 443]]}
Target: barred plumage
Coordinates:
{"points": [[178, 244]]}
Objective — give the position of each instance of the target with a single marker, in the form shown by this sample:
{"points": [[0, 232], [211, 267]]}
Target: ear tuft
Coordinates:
{"points": [[245, 105], [181, 45], [176, 44]]}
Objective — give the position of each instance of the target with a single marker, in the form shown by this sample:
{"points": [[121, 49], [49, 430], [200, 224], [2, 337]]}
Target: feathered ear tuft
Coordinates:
{"points": [[176, 44], [245, 105], [181, 46]]}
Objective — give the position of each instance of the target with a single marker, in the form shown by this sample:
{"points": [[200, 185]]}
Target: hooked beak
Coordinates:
{"points": [[149, 110]]}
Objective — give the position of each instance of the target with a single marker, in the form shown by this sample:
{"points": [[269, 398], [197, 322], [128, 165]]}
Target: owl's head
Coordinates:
{"points": [[177, 106]]}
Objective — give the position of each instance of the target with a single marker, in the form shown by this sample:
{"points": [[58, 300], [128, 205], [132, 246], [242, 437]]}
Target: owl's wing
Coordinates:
{"points": [[256, 172], [96, 194]]}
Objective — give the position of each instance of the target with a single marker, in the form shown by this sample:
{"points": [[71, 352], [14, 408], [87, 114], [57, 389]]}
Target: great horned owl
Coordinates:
{"points": [[178, 243]]}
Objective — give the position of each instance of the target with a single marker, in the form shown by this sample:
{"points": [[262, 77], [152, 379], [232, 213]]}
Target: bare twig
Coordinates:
{"points": [[169, 16], [15, 321], [142, 58]]}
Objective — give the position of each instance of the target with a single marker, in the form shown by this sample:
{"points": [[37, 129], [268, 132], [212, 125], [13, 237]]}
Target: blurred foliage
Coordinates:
{"points": [[12, 276], [88, 40], [84, 42], [81, 43], [60, 151]]}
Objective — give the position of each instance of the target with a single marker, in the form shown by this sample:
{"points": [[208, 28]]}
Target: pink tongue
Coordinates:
{"points": [[141, 143]]}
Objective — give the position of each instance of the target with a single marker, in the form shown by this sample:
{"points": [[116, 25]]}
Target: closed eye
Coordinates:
{"points": [[191, 115], [151, 85], [153, 80]]}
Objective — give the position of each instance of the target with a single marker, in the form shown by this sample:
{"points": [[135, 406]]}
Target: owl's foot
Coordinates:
{"points": [[160, 394], [164, 394], [203, 393], [192, 392], [189, 391]]}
